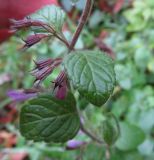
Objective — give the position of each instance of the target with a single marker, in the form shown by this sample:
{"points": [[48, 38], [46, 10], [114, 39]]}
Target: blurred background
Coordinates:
{"points": [[124, 29]]}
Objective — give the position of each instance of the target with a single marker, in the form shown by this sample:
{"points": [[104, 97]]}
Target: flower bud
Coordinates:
{"points": [[33, 39], [62, 91], [24, 23], [59, 80], [43, 73], [43, 63], [61, 85], [44, 68]]}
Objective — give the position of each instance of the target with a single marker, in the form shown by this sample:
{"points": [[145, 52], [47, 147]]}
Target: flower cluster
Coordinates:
{"points": [[45, 67], [27, 22]]}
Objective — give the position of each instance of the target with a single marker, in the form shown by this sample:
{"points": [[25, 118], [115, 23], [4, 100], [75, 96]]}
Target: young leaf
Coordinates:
{"points": [[92, 74], [52, 15], [110, 129], [131, 136], [48, 119]]}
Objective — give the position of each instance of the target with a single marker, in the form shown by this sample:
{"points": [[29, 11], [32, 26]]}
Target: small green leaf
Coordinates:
{"points": [[48, 119], [52, 15], [110, 129], [92, 74], [131, 136]]}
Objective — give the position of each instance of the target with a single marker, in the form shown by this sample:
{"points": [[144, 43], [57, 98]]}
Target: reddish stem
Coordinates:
{"points": [[83, 20]]}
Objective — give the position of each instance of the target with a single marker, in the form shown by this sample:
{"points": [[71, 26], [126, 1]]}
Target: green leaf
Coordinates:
{"points": [[48, 119], [92, 74], [110, 129], [52, 15], [131, 137]]}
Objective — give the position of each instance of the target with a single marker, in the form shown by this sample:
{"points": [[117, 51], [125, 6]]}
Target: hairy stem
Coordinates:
{"points": [[83, 20]]}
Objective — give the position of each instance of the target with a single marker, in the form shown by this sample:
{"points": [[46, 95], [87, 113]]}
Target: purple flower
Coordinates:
{"points": [[62, 91], [24, 23], [74, 144], [59, 80], [33, 39], [44, 68], [61, 85], [43, 63], [20, 95], [42, 73]]}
